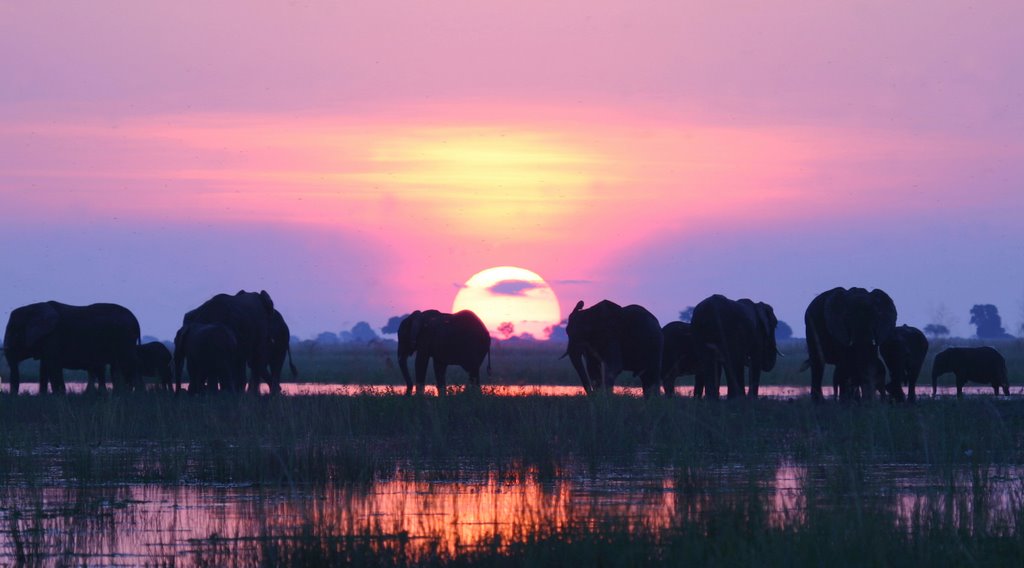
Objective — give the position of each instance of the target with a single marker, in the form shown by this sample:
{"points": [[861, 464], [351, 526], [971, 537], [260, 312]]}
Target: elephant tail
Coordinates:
{"points": [[295, 372]]}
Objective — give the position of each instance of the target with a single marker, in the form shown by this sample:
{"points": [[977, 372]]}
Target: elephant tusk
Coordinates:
{"points": [[779, 352]]}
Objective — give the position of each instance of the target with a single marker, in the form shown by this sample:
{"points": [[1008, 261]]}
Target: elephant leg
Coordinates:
{"points": [[44, 376], [755, 380], [421, 370], [668, 384], [439, 371], [15, 378], [701, 383], [90, 384], [649, 383], [817, 376], [713, 385], [474, 374], [734, 379], [596, 372], [960, 382], [195, 381], [57, 380]]}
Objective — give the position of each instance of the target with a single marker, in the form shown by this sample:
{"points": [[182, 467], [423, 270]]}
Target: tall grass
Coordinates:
{"points": [[161, 437]]}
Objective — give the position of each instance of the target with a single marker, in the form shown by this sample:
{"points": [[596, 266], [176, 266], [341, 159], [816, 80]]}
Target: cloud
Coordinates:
{"points": [[513, 287]]}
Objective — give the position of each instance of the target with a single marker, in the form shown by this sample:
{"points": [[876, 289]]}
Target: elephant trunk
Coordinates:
{"points": [[576, 357], [179, 357]]}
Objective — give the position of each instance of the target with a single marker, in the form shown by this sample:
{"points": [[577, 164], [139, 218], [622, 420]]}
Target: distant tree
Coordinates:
{"points": [[506, 329], [557, 333], [393, 323], [360, 333], [783, 331], [986, 318], [936, 330], [327, 338], [686, 315], [148, 339]]}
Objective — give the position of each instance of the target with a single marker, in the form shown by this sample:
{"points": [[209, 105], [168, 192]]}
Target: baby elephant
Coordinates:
{"points": [[975, 364], [155, 361]]}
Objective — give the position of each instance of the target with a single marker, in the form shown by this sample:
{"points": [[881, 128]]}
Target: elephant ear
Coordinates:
{"points": [[415, 325], [885, 310], [268, 303], [766, 320], [835, 310], [43, 322]]}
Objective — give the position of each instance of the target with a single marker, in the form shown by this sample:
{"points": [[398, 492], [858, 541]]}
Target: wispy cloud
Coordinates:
{"points": [[513, 287]]}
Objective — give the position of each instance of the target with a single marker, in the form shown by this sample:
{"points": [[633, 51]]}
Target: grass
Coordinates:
{"points": [[326, 439], [965, 507]]}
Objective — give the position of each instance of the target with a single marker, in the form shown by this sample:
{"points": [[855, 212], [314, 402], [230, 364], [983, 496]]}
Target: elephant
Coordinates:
{"points": [[280, 348], [155, 361], [845, 328], [738, 334], [609, 339], [904, 354], [248, 315], [210, 351], [971, 364], [62, 336], [446, 339], [679, 355]]}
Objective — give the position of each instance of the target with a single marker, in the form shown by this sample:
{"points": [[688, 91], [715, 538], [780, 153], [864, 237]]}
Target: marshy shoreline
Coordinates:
{"points": [[377, 478]]}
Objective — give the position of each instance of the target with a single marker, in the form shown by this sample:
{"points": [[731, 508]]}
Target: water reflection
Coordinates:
{"points": [[766, 391], [124, 524]]}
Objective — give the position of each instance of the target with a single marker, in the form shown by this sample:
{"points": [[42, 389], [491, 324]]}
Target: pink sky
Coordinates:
{"points": [[360, 161]]}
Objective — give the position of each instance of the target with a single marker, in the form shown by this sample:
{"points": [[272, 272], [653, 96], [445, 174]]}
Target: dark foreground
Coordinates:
{"points": [[472, 479]]}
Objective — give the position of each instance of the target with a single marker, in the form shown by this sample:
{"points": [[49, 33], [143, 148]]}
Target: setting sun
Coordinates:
{"points": [[510, 295]]}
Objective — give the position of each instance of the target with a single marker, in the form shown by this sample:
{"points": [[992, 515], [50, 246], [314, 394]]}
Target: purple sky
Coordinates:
{"points": [[359, 160]]}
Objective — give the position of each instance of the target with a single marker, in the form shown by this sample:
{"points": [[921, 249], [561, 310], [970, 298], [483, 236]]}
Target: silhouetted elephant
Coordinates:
{"points": [[280, 348], [739, 333], [210, 352], [679, 355], [248, 315], [155, 361], [904, 354], [446, 339], [845, 328], [610, 339], [971, 364], [71, 337]]}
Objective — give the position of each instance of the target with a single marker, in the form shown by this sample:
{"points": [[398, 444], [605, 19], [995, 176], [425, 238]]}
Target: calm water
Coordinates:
{"points": [[770, 391], [120, 524], [53, 523]]}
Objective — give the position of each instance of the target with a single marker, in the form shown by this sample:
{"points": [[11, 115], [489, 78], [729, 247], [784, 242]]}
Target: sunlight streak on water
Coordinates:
{"points": [[310, 389]]}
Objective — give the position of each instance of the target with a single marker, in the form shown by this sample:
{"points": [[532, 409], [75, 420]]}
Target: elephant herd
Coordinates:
{"points": [[217, 341], [854, 330]]}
